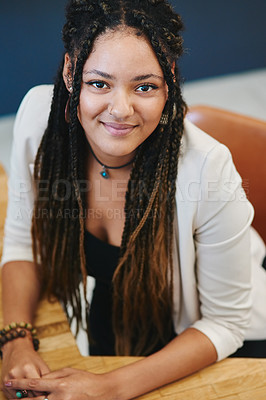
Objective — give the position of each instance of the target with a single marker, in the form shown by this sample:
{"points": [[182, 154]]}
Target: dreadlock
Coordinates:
{"points": [[143, 280]]}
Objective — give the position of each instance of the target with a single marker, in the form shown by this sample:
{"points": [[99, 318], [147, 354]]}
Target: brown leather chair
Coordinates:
{"points": [[246, 139]]}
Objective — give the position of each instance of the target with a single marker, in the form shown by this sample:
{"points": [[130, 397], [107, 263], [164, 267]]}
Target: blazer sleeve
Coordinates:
{"points": [[31, 121], [223, 256]]}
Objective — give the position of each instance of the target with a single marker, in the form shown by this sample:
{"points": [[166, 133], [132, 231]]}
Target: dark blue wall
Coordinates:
{"points": [[221, 37]]}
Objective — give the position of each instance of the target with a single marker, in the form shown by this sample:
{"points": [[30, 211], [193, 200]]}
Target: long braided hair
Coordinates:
{"points": [[143, 280]]}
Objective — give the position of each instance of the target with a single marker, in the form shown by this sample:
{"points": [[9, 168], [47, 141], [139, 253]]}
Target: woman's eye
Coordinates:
{"points": [[146, 88], [98, 84]]}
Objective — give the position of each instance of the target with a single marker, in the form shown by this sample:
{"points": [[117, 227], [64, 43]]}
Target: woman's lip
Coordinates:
{"points": [[116, 129]]}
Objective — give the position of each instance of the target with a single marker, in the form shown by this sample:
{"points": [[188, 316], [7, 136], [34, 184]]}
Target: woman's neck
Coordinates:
{"points": [[114, 167]]}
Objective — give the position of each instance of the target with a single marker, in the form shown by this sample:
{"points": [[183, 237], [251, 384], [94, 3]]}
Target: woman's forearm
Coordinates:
{"points": [[186, 354], [20, 295], [20, 291]]}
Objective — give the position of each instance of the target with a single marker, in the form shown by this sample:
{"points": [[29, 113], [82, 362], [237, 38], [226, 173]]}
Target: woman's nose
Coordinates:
{"points": [[120, 106]]}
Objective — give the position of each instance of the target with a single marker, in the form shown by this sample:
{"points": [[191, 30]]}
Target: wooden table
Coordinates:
{"points": [[231, 379]]}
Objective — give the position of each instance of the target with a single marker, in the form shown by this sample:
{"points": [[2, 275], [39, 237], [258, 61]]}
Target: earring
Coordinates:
{"points": [[69, 82], [67, 118], [164, 117]]}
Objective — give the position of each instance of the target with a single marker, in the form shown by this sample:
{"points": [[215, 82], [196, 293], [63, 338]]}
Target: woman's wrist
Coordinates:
{"points": [[20, 343], [18, 330], [112, 385]]}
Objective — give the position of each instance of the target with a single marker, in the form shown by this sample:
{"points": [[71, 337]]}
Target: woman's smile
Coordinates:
{"points": [[119, 130]]}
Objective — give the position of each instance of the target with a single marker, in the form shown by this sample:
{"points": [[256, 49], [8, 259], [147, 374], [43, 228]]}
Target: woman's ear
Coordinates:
{"points": [[67, 73]]}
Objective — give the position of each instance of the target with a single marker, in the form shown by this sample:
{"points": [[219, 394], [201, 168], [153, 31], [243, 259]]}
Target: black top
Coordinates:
{"points": [[101, 262]]}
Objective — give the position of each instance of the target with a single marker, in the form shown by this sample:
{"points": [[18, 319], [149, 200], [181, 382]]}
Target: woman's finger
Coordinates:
{"points": [[42, 397], [9, 394], [61, 373], [37, 385]]}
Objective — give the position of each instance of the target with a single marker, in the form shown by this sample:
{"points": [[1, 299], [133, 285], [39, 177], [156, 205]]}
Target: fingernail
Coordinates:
{"points": [[8, 383]]}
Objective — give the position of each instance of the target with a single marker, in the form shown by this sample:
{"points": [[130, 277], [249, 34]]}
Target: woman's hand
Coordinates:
{"points": [[67, 384], [21, 361]]}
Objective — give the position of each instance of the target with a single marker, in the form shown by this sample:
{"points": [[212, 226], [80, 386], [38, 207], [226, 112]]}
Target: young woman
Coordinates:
{"points": [[124, 189]]}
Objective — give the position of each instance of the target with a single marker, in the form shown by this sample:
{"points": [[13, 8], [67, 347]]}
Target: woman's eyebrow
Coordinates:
{"points": [[101, 73], [147, 76], [135, 79]]}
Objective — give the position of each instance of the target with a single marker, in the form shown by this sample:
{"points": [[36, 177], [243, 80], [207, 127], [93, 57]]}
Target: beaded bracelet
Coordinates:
{"points": [[17, 330]]}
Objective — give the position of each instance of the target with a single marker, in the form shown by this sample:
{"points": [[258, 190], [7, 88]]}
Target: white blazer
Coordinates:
{"points": [[219, 285]]}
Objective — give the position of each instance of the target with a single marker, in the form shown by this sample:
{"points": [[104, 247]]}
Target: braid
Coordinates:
{"points": [[60, 147], [75, 149], [143, 280]]}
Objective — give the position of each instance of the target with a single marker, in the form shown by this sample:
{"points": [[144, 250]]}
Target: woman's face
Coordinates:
{"points": [[122, 96]]}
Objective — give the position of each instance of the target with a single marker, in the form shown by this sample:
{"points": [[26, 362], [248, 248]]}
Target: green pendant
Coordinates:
{"points": [[104, 173]]}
